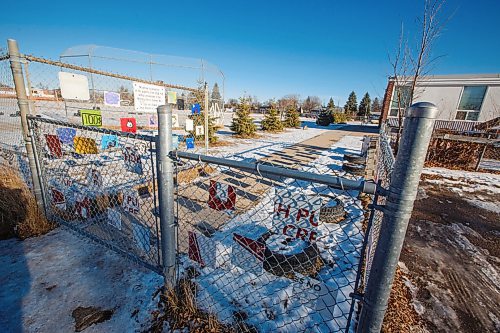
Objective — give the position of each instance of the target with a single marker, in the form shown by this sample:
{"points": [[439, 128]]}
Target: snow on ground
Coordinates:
{"points": [[275, 303], [44, 279], [478, 188]]}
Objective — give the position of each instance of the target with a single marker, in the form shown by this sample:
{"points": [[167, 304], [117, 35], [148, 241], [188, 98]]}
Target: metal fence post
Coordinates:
{"points": [[206, 118], [165, 171], [418, 127], [23, 102]]}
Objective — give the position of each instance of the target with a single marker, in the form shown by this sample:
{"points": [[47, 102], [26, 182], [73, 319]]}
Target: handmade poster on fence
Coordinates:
{"points": [[189, 125], [82, 205], [54, 145], [207, 251], [131, 201], [109, 141], [175, 120], [111, 98], [199, 130], [91, 118], [171, 97], [74, 86], [296, 214], [84, 145], [148, 97], [247, 254], [128, 125], [221, 196], [132, 160], [66, 135]]}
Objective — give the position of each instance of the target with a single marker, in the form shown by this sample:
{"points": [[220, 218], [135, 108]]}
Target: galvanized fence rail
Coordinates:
{"points": [[101, 184]]}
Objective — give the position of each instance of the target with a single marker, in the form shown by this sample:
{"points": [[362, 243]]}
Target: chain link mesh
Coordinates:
{"points": [[272, 253], [101, 183]]}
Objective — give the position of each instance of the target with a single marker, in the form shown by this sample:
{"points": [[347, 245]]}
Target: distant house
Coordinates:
{"points": [[459, 98]]}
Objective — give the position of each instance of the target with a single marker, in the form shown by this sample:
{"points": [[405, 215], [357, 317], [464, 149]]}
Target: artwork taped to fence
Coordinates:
{"points": [[147, 97], [297, 214], [74, 86], [112, 98], [66, 135], [91, 118], [131, 201], [54, 145], [128, 125], [109, 141], [58, 198], [132, 160]]}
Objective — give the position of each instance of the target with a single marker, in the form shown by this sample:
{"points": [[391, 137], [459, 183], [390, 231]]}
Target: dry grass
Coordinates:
{"points": [[188, 175], [19, 213], [178, 308]]}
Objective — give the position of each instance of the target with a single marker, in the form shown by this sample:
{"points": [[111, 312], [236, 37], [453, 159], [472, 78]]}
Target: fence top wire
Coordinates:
{"points": [[96, 71], [144, 137]]}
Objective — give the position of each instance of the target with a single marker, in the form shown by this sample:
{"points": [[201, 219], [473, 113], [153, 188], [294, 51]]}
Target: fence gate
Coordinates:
{"points": [[270, 248], [101, 184]]}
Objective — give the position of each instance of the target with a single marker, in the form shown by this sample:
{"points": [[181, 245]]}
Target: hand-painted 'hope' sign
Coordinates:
{"points": [[297, 214]]}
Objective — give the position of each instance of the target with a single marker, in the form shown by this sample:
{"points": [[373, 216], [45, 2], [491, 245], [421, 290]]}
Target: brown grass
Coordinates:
{"points": [[179, 309], [188, 175], [19, 213]]}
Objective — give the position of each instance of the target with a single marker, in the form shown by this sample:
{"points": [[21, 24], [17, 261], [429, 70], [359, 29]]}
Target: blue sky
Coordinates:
{"points": [[265, 48]]}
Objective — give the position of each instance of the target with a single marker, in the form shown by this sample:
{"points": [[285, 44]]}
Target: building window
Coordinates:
{"points": [[470, 103], [404, 95]]}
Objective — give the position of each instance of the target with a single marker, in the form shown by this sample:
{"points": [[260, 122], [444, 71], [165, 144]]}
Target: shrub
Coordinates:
{"points": [[242, 122], [292, 117], [339, 117], [272, 122]]}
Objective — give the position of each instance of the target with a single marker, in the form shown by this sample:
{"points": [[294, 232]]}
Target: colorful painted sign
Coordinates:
{"points": [[66, 135], [297, 214], [84, 145], [148, 97], [196, 109], [91, 118], [111, 98], [54, 145], [221, 196], [128, 125], [190, 143], [109, 141], [153, 121], [132, 160]]}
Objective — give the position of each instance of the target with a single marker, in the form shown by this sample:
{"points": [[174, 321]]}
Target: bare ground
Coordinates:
{"points": [[452, 251]]}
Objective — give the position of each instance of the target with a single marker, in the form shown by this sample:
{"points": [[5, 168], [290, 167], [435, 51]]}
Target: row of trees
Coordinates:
{"points": [[244, 125], [366, 106]]}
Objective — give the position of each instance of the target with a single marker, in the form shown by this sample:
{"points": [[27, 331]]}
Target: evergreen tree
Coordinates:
{"points": [[242, 122], [351, 106], [292, 117], [376, 106], [365, 106], [272, 121], [331, 105], [216, 97], [199, 120]]}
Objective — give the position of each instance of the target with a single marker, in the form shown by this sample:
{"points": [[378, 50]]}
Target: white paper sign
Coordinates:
{"points": [[74, 86], [175, 120], [115, 218], [189, 125], [213, 253], [131, 202], [148, 97], [244, 258], [142, 237], [199, 130]]}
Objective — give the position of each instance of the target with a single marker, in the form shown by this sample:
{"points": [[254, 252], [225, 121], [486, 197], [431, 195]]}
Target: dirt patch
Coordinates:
{"points": [[452, 251], [19, 213], [88, 316]]}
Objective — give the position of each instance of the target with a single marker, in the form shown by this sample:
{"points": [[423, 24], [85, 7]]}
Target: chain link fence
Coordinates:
{"points": [[276, 253], [102, 184]]}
